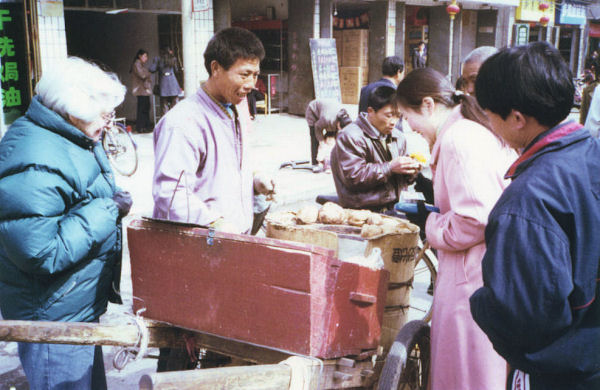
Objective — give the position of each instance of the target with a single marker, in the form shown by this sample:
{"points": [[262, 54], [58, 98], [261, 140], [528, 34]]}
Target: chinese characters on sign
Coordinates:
{"points": [[325, 69], [13, 61]]}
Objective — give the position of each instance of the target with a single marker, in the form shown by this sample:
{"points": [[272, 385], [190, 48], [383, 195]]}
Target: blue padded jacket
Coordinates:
{"points": [[59, 230]]}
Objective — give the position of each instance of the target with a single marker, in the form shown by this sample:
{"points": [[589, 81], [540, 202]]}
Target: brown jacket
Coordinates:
{"points": [[361, 168], [141, 80]]}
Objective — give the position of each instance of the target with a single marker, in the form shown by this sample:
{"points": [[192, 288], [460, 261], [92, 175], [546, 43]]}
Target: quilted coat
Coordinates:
{"points": [[59, 231]]}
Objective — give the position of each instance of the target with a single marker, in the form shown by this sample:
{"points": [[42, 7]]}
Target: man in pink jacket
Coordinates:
{"points": [[201, 175]]}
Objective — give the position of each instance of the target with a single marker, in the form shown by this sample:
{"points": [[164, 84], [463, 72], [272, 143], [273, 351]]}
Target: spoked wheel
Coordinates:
{"points": [[423, 282], [120, 149], [407, 364]]}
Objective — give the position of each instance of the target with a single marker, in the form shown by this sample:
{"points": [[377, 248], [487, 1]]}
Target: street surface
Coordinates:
{"points": [[274, 139]]}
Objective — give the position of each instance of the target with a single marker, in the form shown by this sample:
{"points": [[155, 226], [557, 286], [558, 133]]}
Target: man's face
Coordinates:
{"points": [[469, 75], [507, 129], [236, 82], [383, 119]]}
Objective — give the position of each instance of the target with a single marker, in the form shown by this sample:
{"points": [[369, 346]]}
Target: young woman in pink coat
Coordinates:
{"points": [[468, 163]]}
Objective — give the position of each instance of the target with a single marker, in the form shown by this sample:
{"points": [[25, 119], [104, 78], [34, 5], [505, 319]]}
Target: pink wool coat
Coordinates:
{"points": [[468, 164]]}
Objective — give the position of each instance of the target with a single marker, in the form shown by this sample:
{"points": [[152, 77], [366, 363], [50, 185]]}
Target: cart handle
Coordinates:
{"points": [[362, 298]]}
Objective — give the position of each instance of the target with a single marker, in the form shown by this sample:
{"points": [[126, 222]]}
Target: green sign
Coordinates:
{"points": [[522, 34], [13, 61]]}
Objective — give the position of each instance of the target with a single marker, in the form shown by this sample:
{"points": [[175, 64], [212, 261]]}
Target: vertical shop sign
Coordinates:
{"points": [[324, 61], [13, 61]]}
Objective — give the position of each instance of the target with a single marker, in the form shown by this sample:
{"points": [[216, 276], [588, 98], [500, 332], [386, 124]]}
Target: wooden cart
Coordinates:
{"points": [[260, 300]]}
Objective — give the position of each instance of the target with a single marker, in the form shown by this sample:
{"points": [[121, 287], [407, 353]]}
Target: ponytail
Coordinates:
{"points": [[470, 109]]}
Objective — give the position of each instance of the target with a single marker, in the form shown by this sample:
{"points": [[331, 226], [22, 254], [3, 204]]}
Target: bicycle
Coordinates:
{"points": [[120, 148]]}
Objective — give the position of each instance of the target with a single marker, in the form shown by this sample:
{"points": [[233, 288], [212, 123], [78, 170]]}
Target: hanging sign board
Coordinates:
{"points": [[324, 61], [200, 5], [14, 77], [571, 13]]}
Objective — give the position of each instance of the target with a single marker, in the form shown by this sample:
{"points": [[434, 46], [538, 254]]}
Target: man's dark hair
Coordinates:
{"points": [[392, 65], [532, 79], [229, 44], [381, 97]]}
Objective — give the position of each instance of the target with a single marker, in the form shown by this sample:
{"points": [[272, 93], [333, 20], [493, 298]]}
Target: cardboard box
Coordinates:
{"points": [[351, 81], [355, 49], [339, 43], [365, 75]]}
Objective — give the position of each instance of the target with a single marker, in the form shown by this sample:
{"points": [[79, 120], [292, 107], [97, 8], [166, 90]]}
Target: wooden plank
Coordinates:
{"points": [[77, 333], [263, 377], [160, 335]]}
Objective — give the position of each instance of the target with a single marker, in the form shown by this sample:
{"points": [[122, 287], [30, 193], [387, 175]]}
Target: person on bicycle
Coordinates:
{"points": [[468, 164], [539, 301], [60, 224], [201, 173], [368, 163]]}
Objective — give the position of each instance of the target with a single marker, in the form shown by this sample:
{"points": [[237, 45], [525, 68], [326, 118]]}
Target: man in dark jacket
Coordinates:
{"points": [[538, 304], [368, 163], [392, 69], [419, 56]]}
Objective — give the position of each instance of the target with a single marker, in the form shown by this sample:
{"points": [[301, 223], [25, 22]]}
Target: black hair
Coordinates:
{"points": [[427, 82], [392, 65], [229, 44], [532, 79], [139, 53], [343, 118], [381, 97], [168, 57]]}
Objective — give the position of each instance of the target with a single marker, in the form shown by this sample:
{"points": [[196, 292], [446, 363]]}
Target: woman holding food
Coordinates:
{"points": [[468, 163]]}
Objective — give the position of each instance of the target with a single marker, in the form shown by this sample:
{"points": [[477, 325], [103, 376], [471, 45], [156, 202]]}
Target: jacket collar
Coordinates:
{"points": [[370, 131], [52, 121], [221, 106], [555, 138], [388, 81]]}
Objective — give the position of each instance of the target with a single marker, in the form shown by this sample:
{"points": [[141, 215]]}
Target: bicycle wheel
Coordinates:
{"points": [[406, 366], [424, 279], [120, 149]]}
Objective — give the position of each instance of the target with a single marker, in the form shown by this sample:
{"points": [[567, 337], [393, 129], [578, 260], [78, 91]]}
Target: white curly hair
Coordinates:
{"points": [[79, 88]]}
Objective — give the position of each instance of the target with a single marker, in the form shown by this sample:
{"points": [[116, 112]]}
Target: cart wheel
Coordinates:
{"points": [[407, 364]]}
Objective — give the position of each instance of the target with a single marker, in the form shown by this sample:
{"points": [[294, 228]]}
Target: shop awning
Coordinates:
{"points": [[593, 11]]}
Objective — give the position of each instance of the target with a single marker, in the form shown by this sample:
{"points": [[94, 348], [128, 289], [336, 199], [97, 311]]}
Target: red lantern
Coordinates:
{"points": [[452, 9], [544, 20], [543, 6]]}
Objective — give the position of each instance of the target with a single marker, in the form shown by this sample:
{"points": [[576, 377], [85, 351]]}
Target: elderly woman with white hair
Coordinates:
{"points": [[60, 219]]}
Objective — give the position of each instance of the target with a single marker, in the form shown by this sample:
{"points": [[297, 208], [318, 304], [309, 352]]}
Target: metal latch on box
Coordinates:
{"points": [[210, 238]]}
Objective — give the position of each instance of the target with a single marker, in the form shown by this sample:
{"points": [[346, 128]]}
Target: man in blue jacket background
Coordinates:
{"points": [[538, 304]]}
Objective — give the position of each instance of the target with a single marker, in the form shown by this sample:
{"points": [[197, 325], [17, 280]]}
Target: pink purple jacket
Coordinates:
{"points": [[200, 138], [468, 164]]}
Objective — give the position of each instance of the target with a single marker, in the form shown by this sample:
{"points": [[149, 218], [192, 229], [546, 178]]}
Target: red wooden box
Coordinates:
{"points": [[278, 294]]}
